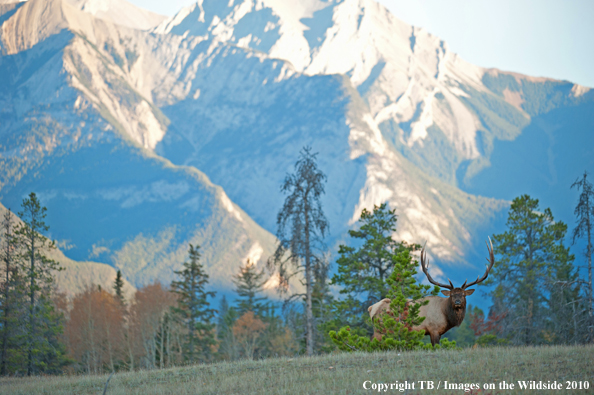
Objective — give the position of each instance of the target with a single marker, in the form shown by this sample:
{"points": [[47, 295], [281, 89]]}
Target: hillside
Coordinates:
{"points": [[340, 373]]}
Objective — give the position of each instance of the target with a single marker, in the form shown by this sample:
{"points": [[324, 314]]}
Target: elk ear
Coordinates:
{"points": [[469, 292], [446, 293]]}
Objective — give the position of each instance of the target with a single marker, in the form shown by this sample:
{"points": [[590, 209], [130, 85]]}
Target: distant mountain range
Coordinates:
{"points": [[143, 134]]}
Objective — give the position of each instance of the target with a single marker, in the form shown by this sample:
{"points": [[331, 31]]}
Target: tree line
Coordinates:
{"points": [[537, 294]]}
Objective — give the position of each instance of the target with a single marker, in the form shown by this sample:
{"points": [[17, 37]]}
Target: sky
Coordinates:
{"points": [[541, 38]]}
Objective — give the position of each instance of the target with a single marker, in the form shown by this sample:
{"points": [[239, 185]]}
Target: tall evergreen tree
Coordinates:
{"points": [[227, 315], [301, 225], [118, 287], [363, 271], [193, 308], [43, 322], [566, 324], [529, 251], [249, 283], [12, 291], [584, 211]]}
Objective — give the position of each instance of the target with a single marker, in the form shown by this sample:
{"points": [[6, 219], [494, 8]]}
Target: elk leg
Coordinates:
{"points": [[434, 338]]}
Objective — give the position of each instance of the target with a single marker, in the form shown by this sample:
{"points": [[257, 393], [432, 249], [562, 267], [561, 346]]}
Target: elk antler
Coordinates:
{"points": [[424, 266], [491, 261]]}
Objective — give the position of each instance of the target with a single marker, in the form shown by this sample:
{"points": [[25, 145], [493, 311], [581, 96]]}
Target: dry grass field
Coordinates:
{"points": [[342, 374]]}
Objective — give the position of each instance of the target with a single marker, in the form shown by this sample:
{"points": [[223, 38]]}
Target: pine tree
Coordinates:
{"points": [[249, 283], [193, 308], [280, 340], [43, 323], [564, 302], [50, 355], [118, 287], [301, 225], [227, 315], [407, 298], [584, 211], [12, 292], [531, 253], [363, 271]]}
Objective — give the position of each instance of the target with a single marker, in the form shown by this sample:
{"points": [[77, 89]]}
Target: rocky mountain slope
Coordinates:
{"points": [[74, 130], [140, 142]]}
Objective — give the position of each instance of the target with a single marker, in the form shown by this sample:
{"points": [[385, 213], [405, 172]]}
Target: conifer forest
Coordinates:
{"points": [[307, 300]]}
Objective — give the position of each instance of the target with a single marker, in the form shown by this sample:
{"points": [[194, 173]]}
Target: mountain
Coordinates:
{"points": [[76, 132], [140, 142], [418, 128]]}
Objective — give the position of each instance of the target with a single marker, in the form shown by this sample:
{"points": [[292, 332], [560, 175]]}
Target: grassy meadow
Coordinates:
{"points": [[339, 374]]}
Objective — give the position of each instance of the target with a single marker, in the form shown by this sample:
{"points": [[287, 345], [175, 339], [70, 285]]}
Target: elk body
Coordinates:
{"points": [[441, 314]]}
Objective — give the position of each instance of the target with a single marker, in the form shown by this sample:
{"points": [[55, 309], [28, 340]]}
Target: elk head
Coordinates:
{"points": [[457, 295]]}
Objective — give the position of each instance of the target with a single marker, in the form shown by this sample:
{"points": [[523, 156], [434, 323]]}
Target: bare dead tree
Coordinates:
{"points": [[584, 211], [301, 224]]}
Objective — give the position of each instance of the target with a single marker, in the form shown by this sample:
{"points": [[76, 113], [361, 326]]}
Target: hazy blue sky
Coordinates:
{"points": [[549, 38]]}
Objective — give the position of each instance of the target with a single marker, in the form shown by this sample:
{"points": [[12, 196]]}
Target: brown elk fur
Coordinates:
{"points": [[441, 314]]}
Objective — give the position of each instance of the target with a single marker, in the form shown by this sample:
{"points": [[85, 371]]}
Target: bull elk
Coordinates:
{"points": [[441, 314]]}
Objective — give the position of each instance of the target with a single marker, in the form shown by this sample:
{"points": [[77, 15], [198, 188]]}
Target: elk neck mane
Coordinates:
{"points": [[453, 316]]}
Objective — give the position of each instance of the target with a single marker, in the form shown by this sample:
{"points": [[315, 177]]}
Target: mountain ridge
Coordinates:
{"points": [[120, 12]]}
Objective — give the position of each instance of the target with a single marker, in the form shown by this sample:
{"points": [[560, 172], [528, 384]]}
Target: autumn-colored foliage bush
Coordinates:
{"points": [[248, 331]]}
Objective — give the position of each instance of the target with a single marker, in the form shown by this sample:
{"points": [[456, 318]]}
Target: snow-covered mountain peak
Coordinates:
{"points": [[279, 28], [120, 12], [398, 69]]}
